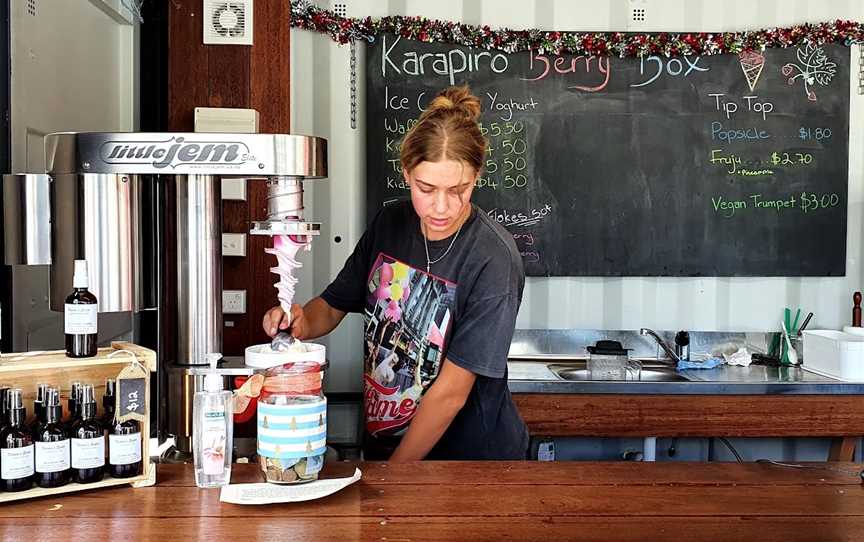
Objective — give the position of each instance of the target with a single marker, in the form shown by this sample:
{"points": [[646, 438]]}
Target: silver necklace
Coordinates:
{"points": [[441, 257]]}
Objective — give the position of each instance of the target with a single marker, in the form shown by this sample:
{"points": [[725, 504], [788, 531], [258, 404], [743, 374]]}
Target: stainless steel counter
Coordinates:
{"points": [[725, 380], [532, 352]]}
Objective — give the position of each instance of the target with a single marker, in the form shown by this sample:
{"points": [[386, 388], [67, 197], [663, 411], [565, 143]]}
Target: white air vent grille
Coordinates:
{"points": [[31, 7], [637, 15], [228, 22]]}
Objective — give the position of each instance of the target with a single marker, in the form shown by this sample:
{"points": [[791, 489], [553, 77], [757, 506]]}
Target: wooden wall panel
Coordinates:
{"points": [[255, 77], [188, 68], [270, 67]]}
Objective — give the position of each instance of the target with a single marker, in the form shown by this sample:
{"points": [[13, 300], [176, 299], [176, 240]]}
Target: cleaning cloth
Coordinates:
{"points": [[709, 363]]}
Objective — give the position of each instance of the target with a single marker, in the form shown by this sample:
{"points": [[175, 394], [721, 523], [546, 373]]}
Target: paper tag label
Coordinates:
{"points": [[16, 462], [52, 456], [88, 453], [80, 319], [213, 436], [546, 451], [124, 449], [132, 391]]}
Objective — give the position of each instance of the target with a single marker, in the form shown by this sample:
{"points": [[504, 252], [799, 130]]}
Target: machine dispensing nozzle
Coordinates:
{"points": [[290, 232]]}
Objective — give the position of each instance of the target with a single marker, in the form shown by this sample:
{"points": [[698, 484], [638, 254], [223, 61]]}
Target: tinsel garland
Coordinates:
{"points": [[308, 16]]}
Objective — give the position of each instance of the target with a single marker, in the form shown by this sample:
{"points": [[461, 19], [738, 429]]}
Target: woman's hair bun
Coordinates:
{"points": [[456, 99]]}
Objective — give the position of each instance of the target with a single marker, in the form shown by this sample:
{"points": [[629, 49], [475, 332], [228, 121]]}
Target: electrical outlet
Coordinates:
{"points": [[233, 244], [233, 301], [233, 189]]}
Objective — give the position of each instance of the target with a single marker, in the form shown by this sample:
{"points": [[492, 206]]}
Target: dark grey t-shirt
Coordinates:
{"points": [[463, 310]]}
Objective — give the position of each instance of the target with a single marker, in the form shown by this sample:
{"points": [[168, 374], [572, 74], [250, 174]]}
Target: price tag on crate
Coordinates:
{"points": [[131, 394]]}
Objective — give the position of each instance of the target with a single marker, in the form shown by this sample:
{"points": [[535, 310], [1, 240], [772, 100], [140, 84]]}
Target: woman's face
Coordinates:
{"points": [[441, 194]]}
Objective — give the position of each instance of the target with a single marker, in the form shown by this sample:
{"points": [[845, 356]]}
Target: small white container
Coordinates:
{"points": [[834, 354], [261, 356]]}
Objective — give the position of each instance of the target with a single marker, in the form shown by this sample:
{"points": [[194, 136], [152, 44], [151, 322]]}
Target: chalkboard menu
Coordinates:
{"points": [[730, 165]]}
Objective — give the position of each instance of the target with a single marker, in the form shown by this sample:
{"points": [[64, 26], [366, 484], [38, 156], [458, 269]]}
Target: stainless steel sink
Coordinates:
{"points": [[649, 373]]}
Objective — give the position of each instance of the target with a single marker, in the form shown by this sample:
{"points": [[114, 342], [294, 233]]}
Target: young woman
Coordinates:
{"points": [[440, 284]]}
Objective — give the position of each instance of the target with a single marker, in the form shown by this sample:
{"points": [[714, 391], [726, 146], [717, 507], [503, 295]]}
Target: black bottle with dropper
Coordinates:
{"points": [[88, 441], [16, 446], [124, 439], [52, 444]]}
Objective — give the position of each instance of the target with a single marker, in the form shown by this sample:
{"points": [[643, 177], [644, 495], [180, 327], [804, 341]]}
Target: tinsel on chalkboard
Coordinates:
{"points": [[308, 16]]}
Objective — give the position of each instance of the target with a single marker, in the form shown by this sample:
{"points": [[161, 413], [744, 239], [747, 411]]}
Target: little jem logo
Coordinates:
{"points": [[176, 151]]}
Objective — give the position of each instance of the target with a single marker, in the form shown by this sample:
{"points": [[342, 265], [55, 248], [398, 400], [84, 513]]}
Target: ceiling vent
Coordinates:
{"points": [[228, 22]]}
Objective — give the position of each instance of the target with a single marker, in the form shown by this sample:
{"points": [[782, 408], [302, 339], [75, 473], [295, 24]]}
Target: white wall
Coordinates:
{"points": [[74, 67], [321, 106]]}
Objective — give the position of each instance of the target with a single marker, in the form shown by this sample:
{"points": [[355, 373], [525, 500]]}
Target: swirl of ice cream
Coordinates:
{"points": [[285, 249]]}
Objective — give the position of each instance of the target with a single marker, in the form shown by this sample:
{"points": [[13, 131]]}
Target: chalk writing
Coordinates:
{"points": [[729, 107], [568, 65], [449, 63], [806, 202], [674, 68], [814, 133], [733, 161], [520, 219], [813, 202], [396, 126], [784, 158], [526, 239], [507, 106], [718, 133], [727, 207]]}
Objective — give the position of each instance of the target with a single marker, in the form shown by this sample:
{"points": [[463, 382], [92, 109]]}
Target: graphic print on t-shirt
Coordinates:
{"points": [[408, 313]]}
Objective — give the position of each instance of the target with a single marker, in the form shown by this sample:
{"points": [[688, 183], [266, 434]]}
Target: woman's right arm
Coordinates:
{"points": [[315, 319]]}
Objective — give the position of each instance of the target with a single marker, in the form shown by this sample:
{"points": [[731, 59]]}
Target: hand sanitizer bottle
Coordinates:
{"points": [[213, 425]]}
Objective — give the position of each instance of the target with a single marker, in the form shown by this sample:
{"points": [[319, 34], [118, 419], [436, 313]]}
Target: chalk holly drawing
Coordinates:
{"points": [[813, 67]]}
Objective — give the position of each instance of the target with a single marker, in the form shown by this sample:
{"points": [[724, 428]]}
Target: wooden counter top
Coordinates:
{"points": [[478, 501]]}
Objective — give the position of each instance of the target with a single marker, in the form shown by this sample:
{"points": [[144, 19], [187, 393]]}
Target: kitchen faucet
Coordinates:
{"points": [[669, 352]]}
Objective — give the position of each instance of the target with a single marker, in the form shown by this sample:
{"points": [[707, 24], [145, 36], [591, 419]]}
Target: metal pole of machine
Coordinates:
{"points": [[199, 289]]}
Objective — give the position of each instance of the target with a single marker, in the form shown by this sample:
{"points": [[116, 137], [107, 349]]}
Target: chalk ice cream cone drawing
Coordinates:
{"points": [[752, 63]]}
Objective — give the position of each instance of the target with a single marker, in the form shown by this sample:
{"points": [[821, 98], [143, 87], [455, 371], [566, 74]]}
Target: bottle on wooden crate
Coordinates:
{"points": [[52, 445], [16, 446]]}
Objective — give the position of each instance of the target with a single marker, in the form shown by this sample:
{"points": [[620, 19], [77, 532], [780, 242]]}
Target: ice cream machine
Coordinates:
{"points": [[119, 200]]}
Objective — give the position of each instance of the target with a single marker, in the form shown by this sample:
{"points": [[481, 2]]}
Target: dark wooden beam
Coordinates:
{"points": [[692, 415]]}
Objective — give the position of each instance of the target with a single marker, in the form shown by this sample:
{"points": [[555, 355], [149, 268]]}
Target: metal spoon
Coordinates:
{"points": [[282, 342]]}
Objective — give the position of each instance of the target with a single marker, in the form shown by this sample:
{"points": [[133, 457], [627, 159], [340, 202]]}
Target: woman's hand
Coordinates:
{"points": [[276, 320]]}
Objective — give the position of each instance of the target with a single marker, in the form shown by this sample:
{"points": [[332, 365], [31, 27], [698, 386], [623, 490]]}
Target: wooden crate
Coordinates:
{"points": [[28, 369]]}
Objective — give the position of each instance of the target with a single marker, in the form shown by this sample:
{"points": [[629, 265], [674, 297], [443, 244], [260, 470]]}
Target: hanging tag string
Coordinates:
{"points": [[135, 363]]}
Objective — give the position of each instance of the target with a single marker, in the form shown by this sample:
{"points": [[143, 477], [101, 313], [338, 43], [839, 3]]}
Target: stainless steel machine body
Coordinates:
{"points": [[26, 225], [95, 193]]}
